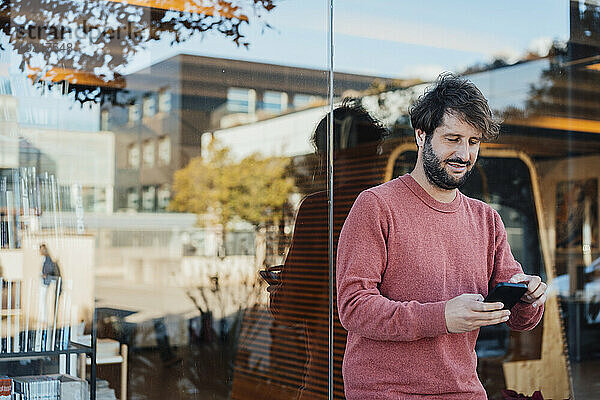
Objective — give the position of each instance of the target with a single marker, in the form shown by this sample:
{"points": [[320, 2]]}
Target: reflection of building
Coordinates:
{"points": [[42, 106], [584, 39], [542, 177], [52, 133], [79, 158], [282, 136], [75, 158], [169, 105]]}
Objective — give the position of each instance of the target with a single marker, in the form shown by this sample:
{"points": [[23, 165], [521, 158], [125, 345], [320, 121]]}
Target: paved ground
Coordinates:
{"points": [[204, 371], [586, 379]]}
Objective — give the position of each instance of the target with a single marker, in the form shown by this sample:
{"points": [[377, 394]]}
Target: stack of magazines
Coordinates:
{"points": [[36, 387], [43, 387]]}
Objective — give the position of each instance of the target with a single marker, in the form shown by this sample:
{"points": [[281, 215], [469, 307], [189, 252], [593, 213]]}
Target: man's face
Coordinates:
{"points": [[449, 154]]}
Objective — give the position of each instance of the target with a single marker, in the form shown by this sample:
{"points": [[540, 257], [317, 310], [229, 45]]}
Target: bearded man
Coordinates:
{"points": [[416, 258]]}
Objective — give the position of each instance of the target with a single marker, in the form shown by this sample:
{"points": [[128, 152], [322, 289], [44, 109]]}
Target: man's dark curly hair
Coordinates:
{"points": [[458, 96], [353, 126]]}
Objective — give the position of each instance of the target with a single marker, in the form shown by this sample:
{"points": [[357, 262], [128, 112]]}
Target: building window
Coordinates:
{"points": [[164, 150], [149, 105], [94, 199], [88, 197], [163, 197], [241, 100], [100, 199], [134, 114], [133, 199], [8, 108], [164, 101], [133, 156], [104, 120], [5, 86], [148, 153], [303, 100], [148, 198], [274, 102]]}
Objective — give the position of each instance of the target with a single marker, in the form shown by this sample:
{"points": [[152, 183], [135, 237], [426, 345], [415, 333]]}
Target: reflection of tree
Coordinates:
{"points": [[210, 362], [220, 189], [565, 89], [84, 42], [569, 87]]}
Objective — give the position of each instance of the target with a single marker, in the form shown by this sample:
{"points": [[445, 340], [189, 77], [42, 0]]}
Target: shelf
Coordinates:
{"points": [[11, 312], [106, 360], [74, 348]]}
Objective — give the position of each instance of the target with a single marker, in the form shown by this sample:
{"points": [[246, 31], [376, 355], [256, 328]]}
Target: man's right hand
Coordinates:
{"points": [[468, 312]]}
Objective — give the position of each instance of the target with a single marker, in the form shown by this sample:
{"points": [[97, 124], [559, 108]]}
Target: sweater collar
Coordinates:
{"points": [[426, 198]]}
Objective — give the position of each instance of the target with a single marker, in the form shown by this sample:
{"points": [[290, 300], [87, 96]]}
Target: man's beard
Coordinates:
{"points": [[437, 174]]}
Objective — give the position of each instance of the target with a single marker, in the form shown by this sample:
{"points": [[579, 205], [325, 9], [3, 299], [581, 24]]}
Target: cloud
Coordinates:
{"points": [[507, 53], [382, 28], [427, 72]]}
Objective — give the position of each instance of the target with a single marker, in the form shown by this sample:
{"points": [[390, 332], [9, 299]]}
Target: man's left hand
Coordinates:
{"points": [[536, 289]]}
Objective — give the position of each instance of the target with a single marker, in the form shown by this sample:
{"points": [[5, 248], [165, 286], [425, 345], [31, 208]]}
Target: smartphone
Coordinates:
{"points": [[507, 293]]}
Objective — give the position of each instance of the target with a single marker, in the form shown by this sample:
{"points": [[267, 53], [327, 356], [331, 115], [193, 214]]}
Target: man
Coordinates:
{"points": [[416, 258]]}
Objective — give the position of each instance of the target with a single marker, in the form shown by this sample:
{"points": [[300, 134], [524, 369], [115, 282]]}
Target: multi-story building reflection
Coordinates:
{"points": [[169, 106]]}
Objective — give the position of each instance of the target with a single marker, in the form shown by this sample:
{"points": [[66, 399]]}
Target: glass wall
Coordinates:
{"points": [[536, 65], [172, 189], [159, 150]]}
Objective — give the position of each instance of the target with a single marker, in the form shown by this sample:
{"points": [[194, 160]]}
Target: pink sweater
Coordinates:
{"points": [[401, 255]]}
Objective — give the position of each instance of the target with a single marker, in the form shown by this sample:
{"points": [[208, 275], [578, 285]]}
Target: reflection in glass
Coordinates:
{"points": [[177, 279], [241, 100], [299, 300], [181, 287], [88, 43], [44, 251]]}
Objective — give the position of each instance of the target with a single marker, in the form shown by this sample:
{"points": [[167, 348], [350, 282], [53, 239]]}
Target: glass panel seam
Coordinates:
{"points": [[330, 149]]}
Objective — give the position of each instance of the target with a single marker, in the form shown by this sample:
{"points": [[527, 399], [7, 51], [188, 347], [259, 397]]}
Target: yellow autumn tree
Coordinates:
{"points": [[218, 188]]}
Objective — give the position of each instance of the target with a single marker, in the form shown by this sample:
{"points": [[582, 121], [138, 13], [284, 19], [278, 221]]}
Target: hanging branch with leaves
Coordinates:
{"points": [[83, 43]]}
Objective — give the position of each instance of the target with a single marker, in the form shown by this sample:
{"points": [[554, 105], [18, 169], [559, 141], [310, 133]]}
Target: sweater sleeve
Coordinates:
{"points": [[523, 316], [361, 263]]}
